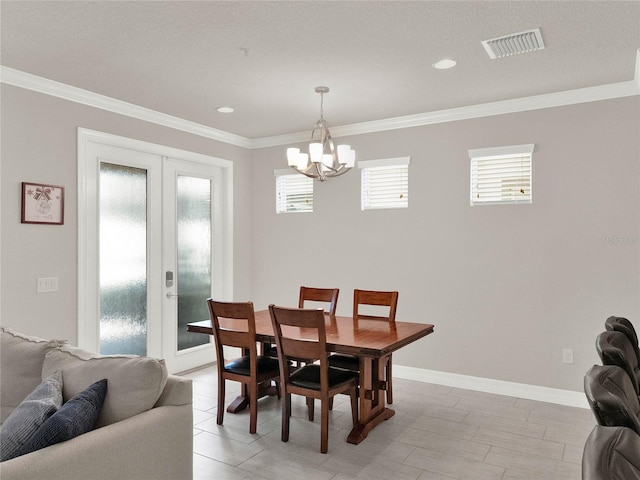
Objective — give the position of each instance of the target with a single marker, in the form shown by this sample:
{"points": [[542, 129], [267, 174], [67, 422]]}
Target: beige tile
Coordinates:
{"points": [[433, 476], [496, 409], [520, 443], [236, 427], [378, 470], [208, 469], [276, 464], [532, 466], [445, 427], [200, 416], [573, 454], [453, 466], [445, 444], [558, 412], [224, 449], [483, 398], [562, 414], [435, 411], [572, 434], [502, 424]]}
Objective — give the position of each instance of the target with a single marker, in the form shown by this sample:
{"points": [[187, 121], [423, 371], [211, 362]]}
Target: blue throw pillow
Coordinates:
{"points": [[30, 415], [74, 418]]}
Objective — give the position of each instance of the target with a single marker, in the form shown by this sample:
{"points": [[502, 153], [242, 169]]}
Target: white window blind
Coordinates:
{"points": [[501, 175], [294, 192], [385, 183]]}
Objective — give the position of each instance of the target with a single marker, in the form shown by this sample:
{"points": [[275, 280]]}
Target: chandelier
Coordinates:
{"points": [[323, 160]]}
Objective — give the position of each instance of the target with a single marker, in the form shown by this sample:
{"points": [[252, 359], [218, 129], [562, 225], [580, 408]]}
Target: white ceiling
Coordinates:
{"points": [[185, 58]]}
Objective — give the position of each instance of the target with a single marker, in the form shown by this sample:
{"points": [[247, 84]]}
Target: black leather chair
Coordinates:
{"points": [[615, 348], [621, 324], [611, 453], [611, 397]]}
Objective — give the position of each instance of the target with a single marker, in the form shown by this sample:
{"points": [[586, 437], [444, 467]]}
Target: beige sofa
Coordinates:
{"points": [[144, 429]]}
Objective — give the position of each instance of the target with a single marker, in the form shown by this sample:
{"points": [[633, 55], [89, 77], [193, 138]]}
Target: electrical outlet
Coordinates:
{"points": [[47, 284], [567, 355]]}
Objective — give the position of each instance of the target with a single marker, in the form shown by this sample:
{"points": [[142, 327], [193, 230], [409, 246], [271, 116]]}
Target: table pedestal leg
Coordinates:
{"points": [[372, 398]]}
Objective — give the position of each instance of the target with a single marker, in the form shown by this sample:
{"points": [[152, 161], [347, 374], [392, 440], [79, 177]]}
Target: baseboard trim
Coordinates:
{"points": [[499, 387]]}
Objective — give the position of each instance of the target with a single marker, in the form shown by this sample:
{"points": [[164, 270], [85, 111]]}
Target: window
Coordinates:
{"points": [[385, 183], [501, 175], [294, 192]]}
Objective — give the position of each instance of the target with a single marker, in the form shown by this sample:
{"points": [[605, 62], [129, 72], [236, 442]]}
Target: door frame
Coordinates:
{"points": [[88, 279]]}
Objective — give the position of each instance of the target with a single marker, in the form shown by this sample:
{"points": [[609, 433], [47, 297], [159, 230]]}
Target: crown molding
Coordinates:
{"points": [[559, 99], [38, 84], [28, 81]]}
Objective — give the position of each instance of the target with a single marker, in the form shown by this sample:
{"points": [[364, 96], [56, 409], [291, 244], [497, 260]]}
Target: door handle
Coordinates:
{"points": [[169, 295]]}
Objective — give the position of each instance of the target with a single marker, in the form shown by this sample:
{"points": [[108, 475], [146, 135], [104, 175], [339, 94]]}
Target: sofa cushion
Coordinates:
{"points": [[75, 417], [30, 415], [21, 359], [135, 383]]}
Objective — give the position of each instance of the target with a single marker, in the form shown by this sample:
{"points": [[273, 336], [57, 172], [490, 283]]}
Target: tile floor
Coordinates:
{"points": [[437, 433]]}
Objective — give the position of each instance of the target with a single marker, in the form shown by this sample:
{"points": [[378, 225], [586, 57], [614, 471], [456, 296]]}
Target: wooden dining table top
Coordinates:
{"points": [[362, 337]]}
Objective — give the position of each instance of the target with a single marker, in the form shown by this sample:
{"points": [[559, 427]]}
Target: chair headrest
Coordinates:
{"points": [[621, 324], [611, 397], [615, 348], [611, 453]]}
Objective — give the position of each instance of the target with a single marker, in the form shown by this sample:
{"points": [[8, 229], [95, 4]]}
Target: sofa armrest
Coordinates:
{"points": [[156, 444], [177, 391]]}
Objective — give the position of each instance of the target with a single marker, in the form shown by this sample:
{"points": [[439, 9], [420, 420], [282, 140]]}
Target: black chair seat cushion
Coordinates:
{"points": [[348, 362], [309, 377], [241, 366]]}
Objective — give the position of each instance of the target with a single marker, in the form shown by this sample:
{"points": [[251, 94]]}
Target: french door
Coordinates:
{"points": [[154, 243]]}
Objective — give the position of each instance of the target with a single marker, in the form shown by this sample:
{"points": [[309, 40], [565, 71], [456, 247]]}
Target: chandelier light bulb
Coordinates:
{"points": [[292, 156], [315, 152]]}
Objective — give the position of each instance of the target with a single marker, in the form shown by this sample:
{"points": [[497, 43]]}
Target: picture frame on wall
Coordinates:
{"points": [[42, 203]]}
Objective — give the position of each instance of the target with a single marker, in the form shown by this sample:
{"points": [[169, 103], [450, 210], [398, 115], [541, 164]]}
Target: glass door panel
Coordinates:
{"points": [[123, 260], [194, 232]]}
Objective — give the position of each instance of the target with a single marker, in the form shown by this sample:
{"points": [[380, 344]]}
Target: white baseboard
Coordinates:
{"points": [[498, 387]]}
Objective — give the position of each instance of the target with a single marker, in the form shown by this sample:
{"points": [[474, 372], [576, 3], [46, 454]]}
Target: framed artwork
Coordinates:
{"points": [[42, 203]]}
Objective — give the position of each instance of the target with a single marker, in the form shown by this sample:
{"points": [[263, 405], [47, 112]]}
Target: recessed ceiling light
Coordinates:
{"points": [[444, 64], [224, 109]]}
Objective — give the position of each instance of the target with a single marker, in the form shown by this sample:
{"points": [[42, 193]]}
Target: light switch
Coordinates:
{"points": [[47, 284]]}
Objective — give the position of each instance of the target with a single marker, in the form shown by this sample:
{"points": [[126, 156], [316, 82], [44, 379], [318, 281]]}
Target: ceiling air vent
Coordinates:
{"points": [[522, 42]]}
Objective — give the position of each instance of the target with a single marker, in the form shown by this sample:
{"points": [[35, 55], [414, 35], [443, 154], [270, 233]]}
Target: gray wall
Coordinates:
{"points": [[507, 287], [39, 144]]}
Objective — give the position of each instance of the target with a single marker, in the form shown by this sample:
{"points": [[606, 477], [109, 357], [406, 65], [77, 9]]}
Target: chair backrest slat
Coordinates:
{"points": [[326, 295], [233, 338], [375, 298]]}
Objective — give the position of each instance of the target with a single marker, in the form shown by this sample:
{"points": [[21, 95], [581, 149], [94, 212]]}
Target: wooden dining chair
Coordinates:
{"points": [[300, 333], [315, 296], [375, 299], [239, 330]]}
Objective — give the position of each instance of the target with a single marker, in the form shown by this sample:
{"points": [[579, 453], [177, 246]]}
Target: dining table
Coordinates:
{"points": [[373, 341]]}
